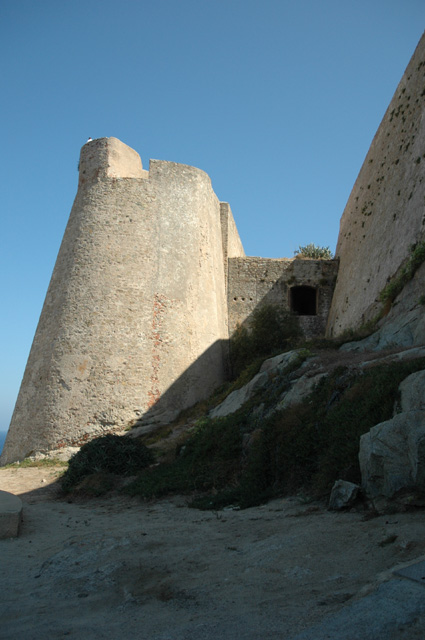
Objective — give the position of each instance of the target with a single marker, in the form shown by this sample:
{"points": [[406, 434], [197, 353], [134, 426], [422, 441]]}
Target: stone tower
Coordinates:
{"points": [[135, 317], [150, 280], [385, 214]]}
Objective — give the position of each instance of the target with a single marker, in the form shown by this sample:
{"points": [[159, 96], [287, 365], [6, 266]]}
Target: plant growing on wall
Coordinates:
{"points": [[396, 285], [314, 252]]}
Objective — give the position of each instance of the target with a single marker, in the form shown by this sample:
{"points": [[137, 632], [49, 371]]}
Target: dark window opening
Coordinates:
{"points": [[303, 301]]}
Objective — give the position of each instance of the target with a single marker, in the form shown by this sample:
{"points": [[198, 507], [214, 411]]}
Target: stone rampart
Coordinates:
{"points": [[302, 286], [232, 245], [385, 213]]}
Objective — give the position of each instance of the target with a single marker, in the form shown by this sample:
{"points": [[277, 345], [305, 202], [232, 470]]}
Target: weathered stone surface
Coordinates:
{"points": [[232, 245], [280, 362], [393, 611], [412, 391], [259, 281], [392, 455], [384, 214], [237, 399], [404, 331], [299, 390], [10, 515], [343, 495]]}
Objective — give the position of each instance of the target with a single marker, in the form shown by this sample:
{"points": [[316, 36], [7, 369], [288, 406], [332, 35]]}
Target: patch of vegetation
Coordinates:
{"points": [[208, 460], [271, 332], [112, 454], [28, 462], [160, 433], [361, 332], [246, 458], [405, 274], [314, 252]]}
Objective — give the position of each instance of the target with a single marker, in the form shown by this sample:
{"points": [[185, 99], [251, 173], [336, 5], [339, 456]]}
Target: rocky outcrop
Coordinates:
{"points": [[238, 398], [392, 454], [412, 391], [300, 389]]}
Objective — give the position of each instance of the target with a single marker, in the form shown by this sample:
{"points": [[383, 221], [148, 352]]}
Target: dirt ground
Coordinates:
{"points": [[119, 568]]}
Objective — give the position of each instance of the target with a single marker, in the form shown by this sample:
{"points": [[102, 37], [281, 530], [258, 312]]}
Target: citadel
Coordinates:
{"points": [[151, 281]]}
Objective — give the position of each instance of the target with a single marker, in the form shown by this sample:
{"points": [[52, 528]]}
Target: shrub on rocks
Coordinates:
{"points": [[119, 455]]}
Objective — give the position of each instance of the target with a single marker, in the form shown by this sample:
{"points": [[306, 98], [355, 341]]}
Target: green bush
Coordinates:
{"points": [[119, 455], [314, 252], [208, 461]]}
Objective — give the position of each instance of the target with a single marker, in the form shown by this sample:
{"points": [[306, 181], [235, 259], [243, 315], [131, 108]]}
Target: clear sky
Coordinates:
{"points": [[277, 101]]}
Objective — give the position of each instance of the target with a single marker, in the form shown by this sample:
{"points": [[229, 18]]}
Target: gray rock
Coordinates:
{"points": [[236, 399], [381, 615], [280, 362], [413, 392], [343, 495], [299, 390], [392, 455]]}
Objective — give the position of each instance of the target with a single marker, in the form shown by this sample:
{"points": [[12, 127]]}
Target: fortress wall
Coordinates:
{"points": [[385, 212], [136, 297], [232, 244], [254, 282]]}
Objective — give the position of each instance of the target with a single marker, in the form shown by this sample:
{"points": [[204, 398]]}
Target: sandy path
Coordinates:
{"points": [[119, 568]]}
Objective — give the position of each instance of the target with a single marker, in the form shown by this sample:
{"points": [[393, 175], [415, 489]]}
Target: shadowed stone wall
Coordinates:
{"points": [[254, 282]]}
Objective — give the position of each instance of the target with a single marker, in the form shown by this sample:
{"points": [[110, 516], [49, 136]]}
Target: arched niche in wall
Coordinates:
{"points": [[303, 300]]}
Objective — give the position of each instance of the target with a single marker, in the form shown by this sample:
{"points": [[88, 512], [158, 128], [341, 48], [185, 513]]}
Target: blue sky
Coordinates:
{"points": [[277, 101]]}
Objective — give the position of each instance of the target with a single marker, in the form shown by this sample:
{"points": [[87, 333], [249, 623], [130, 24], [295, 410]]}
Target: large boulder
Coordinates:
{"points": [[392, 456], [412, 391]]}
